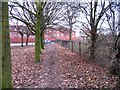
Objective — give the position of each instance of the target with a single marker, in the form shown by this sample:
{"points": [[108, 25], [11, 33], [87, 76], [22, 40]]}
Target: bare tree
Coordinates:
{"points": [[69, 15], [28, 33], [93, 12], [112, 21], [28, 12], [115, 68], [22, 12]]}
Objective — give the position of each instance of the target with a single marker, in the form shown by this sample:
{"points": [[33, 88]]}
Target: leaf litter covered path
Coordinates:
{"points": [[59, 67]]}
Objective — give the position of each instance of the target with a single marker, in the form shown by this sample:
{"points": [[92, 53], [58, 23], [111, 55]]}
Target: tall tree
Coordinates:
{"points": [[115, 69], [30, 13], [31, 16], [69, 15], [93, 12], [37, 35], [6, 51], [111, 18], [26, 13], [39, 18]]}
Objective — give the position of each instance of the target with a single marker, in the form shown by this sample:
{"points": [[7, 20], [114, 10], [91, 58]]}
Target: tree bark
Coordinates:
{"points": [[79, 48], [93, 44], [72, 45], [0, 45], [21, 34], [27, 39], [6, 51], [37, 35], [117, 57], [70, 34], [42, 41], [21, 40]]}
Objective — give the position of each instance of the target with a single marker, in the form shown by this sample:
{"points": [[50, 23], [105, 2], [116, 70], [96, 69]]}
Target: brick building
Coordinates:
{"points": [[59, 32], [51, 33], [15, 36]]}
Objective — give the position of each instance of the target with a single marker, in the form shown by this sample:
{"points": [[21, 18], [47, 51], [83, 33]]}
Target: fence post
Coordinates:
{"points": [[79, 48], [69, 44], [72, 45]]}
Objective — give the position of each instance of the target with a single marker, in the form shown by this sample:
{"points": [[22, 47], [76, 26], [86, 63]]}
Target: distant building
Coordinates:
{"points": [[51, 33], [15, 36], [59, 32]]}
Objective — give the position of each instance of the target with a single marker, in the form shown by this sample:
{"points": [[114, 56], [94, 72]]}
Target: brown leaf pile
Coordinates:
{"points": [[59, 67]]}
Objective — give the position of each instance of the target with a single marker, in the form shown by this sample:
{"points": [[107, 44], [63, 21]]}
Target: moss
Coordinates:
{"points": [[37, 35], [0, 45], [42, 42], [6, 51]]}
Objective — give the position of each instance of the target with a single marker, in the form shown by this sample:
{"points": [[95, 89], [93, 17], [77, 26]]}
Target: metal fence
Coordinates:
{"points": [[72, 45]]}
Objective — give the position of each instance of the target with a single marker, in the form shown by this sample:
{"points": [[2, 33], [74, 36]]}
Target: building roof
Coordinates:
{"points": [[60, 28]]}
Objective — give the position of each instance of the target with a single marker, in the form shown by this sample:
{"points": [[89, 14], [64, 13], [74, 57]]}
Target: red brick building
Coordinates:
{"points": [[15, 37], [51, 33], [59, 32]]}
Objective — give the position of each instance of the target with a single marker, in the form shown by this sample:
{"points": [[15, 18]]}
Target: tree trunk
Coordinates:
{"points": [[117, 65], [40, 45], [79, 48], [93, 46], [37, 35], [6, 51], [72, 46], [27, 39], [0, 45], [42, 41], [22, 41], [70, 34]]}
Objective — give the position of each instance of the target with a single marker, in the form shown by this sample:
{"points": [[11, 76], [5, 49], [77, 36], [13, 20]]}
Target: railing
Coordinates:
{"points": [[72, 45]]}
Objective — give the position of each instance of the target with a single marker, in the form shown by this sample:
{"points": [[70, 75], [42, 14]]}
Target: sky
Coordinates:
{"points": [[75, 28]]}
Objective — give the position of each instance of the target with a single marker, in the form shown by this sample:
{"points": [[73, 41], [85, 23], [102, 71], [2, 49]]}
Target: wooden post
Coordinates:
{"points": [[79, 48], [72, 45]]}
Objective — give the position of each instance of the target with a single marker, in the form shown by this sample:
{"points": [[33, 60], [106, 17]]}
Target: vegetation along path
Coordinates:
{"points": [[58, 67]]}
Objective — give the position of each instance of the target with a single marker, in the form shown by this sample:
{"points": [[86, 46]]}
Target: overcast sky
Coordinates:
{"points": [[75, 28]]}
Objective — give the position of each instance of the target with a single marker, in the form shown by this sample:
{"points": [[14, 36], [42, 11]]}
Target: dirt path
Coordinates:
{"points": [[52, 78], [59, 67]]}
